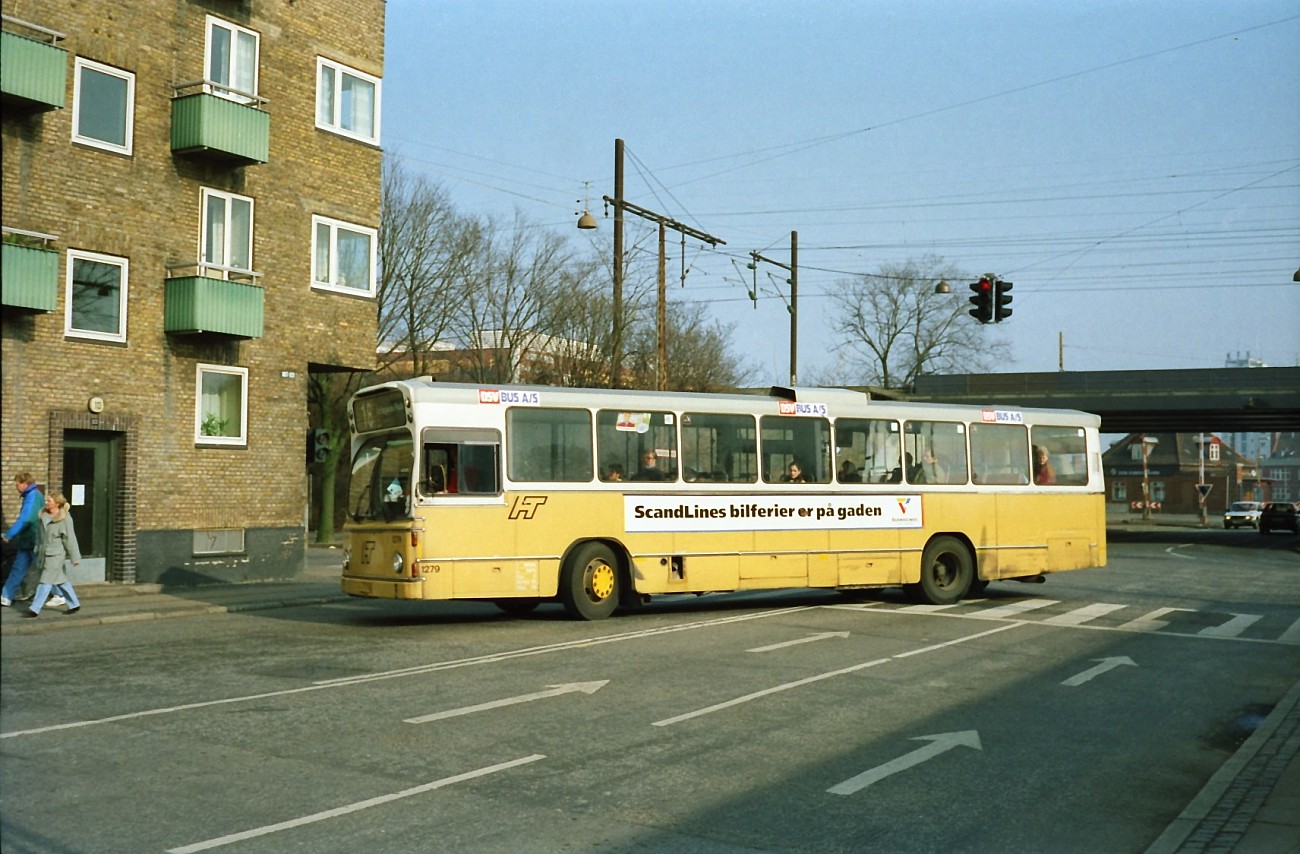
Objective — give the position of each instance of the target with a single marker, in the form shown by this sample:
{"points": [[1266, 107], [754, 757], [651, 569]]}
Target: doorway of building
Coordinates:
{"points": [[90, 481]]}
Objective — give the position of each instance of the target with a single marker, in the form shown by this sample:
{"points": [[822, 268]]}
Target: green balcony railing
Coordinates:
{"points": [[199, 304], [29, 275], [34, 73], [207, 125]]}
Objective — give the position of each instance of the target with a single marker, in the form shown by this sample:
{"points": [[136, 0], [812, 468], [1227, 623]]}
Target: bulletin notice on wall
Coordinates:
{"points": [[668, 513]]}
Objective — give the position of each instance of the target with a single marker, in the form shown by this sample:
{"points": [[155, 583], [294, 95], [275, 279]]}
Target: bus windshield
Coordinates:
{"points": [[381, 478]]}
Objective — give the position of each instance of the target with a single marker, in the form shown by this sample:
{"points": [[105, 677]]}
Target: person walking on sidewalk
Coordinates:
{"points": [[58, 546], [23, 533]]}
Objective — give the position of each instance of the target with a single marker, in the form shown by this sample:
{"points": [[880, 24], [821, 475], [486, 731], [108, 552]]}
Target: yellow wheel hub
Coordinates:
{"points": [[601, 584]]}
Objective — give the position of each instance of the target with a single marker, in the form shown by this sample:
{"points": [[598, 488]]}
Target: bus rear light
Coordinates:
{"points": [[415, 539]]}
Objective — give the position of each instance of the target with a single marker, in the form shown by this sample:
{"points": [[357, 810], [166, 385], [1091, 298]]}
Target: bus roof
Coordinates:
{"points": [[838, 402]]}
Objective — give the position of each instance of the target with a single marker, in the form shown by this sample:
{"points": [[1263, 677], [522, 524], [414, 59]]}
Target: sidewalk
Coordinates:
{"points": [[106, 604], [1250, 806]]}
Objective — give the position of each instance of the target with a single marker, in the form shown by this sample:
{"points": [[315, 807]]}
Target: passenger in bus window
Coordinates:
{"points": [[849, 473], [615, 473], [793, 473], [650, 468], [896, 476], [930, 470], [1044, 474]]}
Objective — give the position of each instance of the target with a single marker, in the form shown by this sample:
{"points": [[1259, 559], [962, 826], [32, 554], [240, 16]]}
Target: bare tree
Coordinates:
{"points": [[894, 327], [505, 313], [428, 255], [699, 355]]}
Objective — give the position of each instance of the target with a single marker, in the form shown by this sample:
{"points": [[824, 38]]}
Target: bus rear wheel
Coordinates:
{"points": [[589, 583], [946, 573]]}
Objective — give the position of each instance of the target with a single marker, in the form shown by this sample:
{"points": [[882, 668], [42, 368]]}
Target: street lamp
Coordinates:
{"points": [[1147, 443]]}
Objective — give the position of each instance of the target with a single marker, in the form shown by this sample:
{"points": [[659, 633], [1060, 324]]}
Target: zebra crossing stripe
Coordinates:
{"points": [[1079, 616], [1234, 627], [1014, 609]]}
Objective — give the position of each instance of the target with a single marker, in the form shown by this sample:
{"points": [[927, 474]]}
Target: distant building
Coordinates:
{"points": [[1173, 471], [191, 201], [1281, 467]]}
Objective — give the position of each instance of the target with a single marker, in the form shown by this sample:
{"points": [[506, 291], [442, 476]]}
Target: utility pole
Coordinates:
{"points": [[621, 204], [616, 342], [793, 267]]}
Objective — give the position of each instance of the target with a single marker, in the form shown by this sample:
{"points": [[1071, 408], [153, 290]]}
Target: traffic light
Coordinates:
{"points": [[1001, 300], [318, 445], [983, 301]]}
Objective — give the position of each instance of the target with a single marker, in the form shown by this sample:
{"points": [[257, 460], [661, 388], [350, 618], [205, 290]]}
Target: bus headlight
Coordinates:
{"points": [[397, 564]]}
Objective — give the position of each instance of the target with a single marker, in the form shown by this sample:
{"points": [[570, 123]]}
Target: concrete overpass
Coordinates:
{"points": [[1221, 400]]}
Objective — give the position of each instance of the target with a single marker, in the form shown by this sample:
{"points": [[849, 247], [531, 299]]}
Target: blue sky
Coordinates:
{"points": [[1134, 167]]}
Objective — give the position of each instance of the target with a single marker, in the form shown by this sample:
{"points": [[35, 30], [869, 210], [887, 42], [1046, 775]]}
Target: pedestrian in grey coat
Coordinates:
{"points": [[58, 546]]}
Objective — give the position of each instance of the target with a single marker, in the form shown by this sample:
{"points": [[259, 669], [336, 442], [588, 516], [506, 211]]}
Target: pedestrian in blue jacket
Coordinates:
{"points": [[24, 533]]}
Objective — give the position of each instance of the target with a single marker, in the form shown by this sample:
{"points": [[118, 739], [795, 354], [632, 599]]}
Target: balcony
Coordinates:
{"points": [[199, 304], [29, 271], [230, 127], [34, 74]]}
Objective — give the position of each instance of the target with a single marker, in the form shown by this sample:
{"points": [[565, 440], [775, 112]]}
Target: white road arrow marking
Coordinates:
{"points": [[552, 691], [1092, 672], [809, 639], [939, 744]]}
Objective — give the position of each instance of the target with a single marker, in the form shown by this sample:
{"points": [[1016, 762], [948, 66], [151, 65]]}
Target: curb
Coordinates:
{"points": [[1203, 815], [27, 627]]}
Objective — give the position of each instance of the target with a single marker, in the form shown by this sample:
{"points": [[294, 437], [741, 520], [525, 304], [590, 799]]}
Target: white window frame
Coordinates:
{"points": [[225, 261], [331, 282], [233, 94], [75, 255], [242, 438], [83, 64], [333, 124]]}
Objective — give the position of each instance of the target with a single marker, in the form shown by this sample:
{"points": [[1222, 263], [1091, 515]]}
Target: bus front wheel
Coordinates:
{"points": [[589, 583], [946, 573]]}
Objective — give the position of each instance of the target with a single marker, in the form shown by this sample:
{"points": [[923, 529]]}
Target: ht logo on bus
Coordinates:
{"points": [[525, 506]]}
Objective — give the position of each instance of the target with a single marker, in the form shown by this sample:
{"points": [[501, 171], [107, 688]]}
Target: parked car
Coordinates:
{"points": [[1279, 516], [1242, 514]]}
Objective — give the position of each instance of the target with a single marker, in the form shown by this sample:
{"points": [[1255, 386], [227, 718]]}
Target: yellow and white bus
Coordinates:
{"points": [[598, 498]]}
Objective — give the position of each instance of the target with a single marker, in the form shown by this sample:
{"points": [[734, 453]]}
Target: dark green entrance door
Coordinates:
{"points": [[90, 482]]}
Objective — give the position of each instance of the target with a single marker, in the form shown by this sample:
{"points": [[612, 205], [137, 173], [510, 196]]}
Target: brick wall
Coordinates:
{"points": [[145, 207]]}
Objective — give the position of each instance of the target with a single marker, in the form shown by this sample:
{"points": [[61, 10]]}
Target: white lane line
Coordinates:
{"points": [[1150, 621], [809, 639], [926, 609], [344, 810], [1079, 616], [1013, 609], [799, 683], [409, 671], [1234, 627]]}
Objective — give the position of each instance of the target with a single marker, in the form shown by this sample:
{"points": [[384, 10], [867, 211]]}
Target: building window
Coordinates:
{"points": [[1214, 452], [343, 256], [96, 296], [227, 238], [220, 413], [232, 59], [1118, 490], [103, 106], [347, 101]]}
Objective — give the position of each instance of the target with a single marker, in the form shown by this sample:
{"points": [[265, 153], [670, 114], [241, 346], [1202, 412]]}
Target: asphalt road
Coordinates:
{"points": [[1078, 715]]}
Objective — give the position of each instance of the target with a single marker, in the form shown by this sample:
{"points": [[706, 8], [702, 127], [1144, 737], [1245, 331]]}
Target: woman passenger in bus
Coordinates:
{"points": [[793, 473], [1044, 474]]}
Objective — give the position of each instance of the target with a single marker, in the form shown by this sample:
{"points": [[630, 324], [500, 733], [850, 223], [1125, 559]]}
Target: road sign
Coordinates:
{"points": [[1204, 489]]}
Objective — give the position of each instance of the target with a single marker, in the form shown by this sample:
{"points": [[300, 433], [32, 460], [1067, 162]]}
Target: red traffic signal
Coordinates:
{"points": [[983, 301]]}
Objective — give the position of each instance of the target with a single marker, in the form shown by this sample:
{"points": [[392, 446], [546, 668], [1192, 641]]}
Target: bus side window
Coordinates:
{"points": [[999, 453]]}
